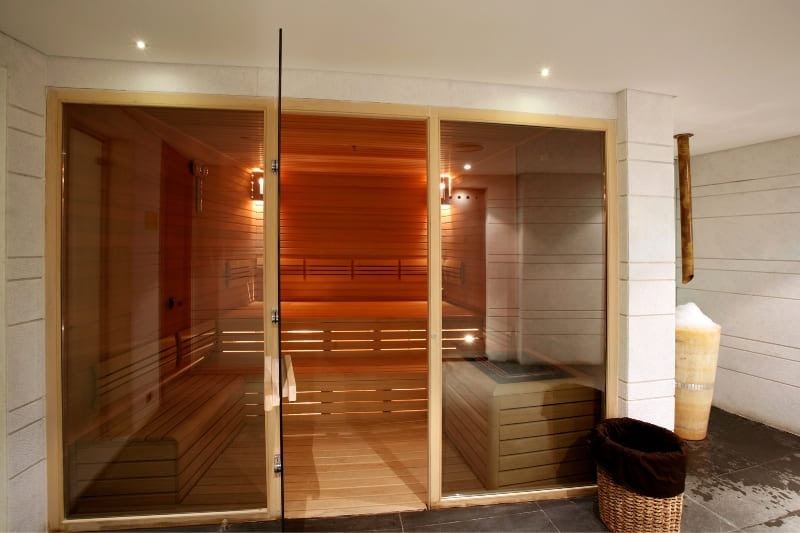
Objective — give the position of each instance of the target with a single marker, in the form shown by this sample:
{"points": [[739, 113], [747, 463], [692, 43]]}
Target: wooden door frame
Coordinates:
{"points": [[56, 98], [433, 116], [608, 127]]}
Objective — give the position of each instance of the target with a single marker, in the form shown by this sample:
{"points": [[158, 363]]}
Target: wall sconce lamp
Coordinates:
{"points": [[257, 184], [445, 184]]}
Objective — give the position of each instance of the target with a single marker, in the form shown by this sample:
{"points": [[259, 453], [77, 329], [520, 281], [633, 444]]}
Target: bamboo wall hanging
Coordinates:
{"points": [[685, 188]]}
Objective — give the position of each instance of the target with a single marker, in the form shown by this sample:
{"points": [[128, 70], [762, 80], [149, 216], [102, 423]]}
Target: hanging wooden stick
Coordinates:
{"points": [[685, 186]]}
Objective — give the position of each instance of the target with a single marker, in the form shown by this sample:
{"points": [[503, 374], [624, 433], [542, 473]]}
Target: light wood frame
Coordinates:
{"points": [[56, 98], [433, 116], [608, 127], [3, 360]]}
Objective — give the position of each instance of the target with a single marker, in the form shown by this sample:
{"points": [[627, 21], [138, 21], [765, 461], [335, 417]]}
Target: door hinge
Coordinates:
{"points": [[277, 466], [274, 166], [275, 316]]}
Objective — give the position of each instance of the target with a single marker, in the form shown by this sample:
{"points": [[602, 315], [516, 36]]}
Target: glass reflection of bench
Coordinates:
{"points": [[161, 424], [523, 431]]}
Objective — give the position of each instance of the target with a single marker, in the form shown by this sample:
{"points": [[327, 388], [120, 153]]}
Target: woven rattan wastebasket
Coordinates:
{"points": [[641, 475], [624, 510]]}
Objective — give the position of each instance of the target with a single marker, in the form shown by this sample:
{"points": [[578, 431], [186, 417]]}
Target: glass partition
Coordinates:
{"points": [[162, 276], [354, 314], [524, 343]]}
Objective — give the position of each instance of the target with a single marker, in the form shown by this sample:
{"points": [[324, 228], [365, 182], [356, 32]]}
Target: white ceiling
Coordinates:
{"points": [[732, 64]]}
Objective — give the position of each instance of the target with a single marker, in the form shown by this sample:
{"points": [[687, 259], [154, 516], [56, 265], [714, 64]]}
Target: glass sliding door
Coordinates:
{"points": [[524, 324], [162, 308]]}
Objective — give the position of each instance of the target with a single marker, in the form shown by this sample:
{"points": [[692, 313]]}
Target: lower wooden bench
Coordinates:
{"points": [[155, 456], [521, 434]]}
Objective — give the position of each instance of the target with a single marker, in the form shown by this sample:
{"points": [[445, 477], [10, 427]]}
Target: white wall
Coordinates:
{"points": [[746, 204], [23, 331]]}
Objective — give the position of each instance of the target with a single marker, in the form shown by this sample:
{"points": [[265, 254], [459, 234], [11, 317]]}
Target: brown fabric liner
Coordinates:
{"points": [[642, 457]]}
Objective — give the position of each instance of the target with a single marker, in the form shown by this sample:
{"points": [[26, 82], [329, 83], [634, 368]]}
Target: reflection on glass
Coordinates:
{"points": [[162, 307], [523, 258]]}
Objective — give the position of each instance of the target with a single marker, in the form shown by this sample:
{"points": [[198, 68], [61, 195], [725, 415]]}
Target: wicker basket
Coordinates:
{"points": [[625, 511]]}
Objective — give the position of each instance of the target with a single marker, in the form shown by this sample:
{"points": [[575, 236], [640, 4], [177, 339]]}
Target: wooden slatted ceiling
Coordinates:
{"points": [[392, 152], [353, 199]]}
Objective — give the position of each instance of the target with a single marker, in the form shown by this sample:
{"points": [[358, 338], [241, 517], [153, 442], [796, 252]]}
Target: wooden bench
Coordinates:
{"points": [[524, 434], [169, 424]]}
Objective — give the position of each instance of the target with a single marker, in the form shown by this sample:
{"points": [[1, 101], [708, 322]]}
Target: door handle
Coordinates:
{"points": [[273, 399], [289, 382]]}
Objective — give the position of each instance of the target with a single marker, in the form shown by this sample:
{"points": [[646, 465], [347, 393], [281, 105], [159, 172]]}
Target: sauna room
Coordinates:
{"points": [[163, 306]]}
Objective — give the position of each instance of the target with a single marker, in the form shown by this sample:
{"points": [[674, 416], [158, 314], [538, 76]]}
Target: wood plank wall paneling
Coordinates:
{"points": [[746, 205], [353, 209]]}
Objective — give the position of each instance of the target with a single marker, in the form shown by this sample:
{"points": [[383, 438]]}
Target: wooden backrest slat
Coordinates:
{"points": [[197, 342]]}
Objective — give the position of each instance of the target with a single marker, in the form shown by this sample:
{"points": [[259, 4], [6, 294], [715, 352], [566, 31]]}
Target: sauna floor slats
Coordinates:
{"points": [[337, 465]]}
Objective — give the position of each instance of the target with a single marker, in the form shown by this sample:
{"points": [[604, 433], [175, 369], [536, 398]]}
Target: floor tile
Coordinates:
{"points": [[579, 514], [750, 496], [271, 526], [381, 522], [699, 519], [530, 521], [756, 441], [789, 523], [713, 457], [411, 521]]}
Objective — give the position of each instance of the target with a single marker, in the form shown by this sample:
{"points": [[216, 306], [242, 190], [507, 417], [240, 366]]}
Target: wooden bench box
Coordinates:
{"points": [[521, 434], [161, 461], [163, 422]]}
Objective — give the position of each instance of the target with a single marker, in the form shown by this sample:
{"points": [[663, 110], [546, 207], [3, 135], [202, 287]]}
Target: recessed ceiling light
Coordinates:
{"points": [[141, 45], [467, 166], [545, 72]]}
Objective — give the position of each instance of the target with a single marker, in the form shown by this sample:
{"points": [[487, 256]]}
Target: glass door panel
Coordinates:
{"points": [[353, 266], [523, 268], [162, 295]]}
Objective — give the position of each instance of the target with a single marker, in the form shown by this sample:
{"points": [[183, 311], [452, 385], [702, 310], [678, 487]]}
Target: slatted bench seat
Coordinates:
{"points": [[519, 434], [173, 427]]}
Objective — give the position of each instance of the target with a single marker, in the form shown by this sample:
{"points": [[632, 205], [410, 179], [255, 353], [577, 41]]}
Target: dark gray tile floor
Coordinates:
{"points": [[744, 477]]}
